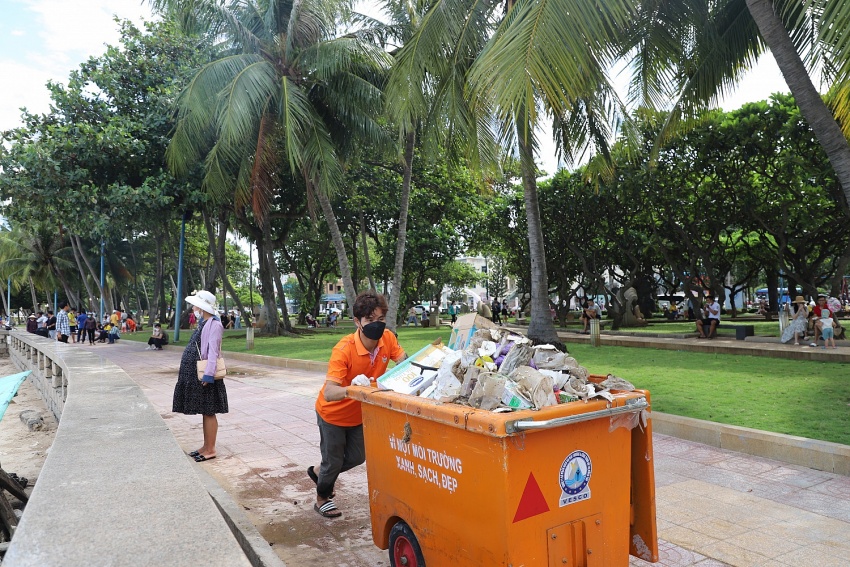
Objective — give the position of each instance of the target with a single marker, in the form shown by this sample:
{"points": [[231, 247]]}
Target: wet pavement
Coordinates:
{"points": [[715, 507]]}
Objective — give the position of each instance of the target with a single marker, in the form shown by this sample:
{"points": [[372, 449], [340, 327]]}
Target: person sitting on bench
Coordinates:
{"points": [[711, 318]]}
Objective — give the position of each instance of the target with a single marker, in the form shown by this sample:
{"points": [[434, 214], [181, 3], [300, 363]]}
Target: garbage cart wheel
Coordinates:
{"points": [[404, 548]]}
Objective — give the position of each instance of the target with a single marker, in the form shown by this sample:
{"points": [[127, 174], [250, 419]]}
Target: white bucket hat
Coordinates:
{"points": [[204, 300]]}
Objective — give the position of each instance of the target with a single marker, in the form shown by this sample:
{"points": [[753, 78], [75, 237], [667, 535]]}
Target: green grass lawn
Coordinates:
{"points": [[804, 398]]}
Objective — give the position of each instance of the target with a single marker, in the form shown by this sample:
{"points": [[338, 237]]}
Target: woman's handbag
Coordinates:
{"points": [[220, 368]]}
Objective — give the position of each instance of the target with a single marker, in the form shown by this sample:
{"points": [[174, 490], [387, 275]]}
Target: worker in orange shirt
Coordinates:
{"points": [[359, 358]]}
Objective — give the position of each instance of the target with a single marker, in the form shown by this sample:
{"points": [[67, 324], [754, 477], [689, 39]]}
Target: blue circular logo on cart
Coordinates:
{"points": [[575, 472]]}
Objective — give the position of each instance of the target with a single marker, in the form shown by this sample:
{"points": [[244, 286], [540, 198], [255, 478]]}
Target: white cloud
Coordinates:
{"points": [[22, 87], [67, 34], [18, 33]]}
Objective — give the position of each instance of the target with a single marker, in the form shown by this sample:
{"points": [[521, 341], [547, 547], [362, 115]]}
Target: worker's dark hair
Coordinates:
{"points": [[367, 302], [62, 304]]}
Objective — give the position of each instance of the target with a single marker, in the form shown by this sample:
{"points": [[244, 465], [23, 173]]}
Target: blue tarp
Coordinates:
{"points": [[8, 388]]}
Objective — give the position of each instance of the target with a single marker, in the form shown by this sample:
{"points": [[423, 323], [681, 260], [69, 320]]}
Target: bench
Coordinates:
{"points": [[741, 331]]}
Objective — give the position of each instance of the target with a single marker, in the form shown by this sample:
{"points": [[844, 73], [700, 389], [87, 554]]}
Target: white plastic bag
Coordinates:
{"points": [[447, 386]]}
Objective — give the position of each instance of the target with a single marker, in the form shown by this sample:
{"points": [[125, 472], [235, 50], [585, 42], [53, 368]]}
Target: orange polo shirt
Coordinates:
{"points": [[349, 359]]}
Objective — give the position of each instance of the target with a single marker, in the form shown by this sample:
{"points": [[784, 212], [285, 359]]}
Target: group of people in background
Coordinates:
{"points": [[821, 323], [71, 326]]}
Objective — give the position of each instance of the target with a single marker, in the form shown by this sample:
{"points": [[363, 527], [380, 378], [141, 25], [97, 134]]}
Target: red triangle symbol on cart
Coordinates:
{"points": [[532, 502]]}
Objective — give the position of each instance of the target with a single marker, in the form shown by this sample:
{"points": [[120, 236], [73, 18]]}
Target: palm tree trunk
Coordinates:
{"points": [[34, 298], [541, 328], [817, 114], [401, 243], [94, 275], [265, 255], [157, 313], [83, 274], [339, 246], [366, 258]]}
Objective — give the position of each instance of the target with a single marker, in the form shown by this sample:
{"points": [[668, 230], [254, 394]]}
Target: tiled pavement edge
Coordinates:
{"points": [[715, 507]]}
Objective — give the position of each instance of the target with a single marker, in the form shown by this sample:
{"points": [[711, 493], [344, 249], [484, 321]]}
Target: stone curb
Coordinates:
{"points": [[811, 453], [256, 548]]}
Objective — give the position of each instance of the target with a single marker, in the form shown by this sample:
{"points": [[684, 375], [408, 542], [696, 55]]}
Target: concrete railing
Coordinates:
{"points": [[116, 489]]}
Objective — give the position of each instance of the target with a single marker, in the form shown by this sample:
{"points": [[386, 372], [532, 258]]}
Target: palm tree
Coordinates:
{"points": [[518, 63], [431, 103], [285, 89], [38, 257], [693, 52]]}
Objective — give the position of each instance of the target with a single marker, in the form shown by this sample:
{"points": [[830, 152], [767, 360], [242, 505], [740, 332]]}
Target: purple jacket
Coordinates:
{"points": [[211, 336]]}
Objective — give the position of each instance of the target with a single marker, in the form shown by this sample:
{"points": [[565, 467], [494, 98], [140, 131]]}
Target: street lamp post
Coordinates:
{"points": [[102, 246]]}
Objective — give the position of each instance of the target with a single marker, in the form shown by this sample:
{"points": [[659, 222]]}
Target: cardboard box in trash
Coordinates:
{"points": [[416, 373], [465, 327]]}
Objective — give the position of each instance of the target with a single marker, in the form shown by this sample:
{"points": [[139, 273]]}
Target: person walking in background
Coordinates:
{"points": [[412, 317], [453, 308], [207, 396], [50, 325], [63, 327], [91, 327], [72, 322], [496, 309], [357, 359], [81, 326]]}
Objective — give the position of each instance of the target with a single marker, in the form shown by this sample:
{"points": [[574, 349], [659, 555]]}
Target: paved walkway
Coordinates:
{"points": [[715, 507]]}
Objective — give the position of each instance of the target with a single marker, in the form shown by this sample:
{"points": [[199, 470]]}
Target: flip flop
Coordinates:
{"points": [[201, 458], [328, 509], [194, 454], [315, 478]]}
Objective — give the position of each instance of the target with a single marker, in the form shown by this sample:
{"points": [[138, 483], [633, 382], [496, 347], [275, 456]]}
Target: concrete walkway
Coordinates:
{"points": [[715, 507]]}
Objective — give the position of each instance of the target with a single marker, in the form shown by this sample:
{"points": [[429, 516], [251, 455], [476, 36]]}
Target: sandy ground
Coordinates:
{"points": [[23, 451]]}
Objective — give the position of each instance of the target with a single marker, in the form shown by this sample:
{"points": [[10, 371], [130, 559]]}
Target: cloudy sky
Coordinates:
{"points": [[45, 39]]}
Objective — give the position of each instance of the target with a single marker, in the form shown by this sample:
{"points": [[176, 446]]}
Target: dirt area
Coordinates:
{"points": [[22, 451]]}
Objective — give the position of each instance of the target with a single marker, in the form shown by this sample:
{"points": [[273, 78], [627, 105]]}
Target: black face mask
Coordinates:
{"points": [[374, 331]]}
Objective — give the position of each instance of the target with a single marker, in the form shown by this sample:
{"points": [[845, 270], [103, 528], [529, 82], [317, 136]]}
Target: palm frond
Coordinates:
{"points": [[196, 126]]}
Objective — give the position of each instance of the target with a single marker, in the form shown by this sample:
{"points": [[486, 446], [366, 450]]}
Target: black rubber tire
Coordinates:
{"points": [[405, 547]]}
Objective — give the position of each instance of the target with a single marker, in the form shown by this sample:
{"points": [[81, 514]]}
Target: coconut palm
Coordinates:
{"points": [[286, 91], [519, 63], [430, 105], [38, 256], [694, 52]]}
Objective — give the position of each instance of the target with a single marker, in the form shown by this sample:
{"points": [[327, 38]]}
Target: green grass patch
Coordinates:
{"points": [[794, 397]]}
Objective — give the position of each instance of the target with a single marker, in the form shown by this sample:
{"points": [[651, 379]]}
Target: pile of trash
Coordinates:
{"points": [[497, 369]]}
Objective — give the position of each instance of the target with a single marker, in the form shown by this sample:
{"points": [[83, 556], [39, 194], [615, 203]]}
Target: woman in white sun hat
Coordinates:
{"points": [[207, 397]]}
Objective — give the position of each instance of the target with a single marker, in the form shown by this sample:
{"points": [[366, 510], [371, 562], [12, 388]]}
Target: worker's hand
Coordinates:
{"points": [[361, 380]]}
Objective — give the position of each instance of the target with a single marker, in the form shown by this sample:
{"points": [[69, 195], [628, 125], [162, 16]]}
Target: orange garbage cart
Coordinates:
{"points": [[569, 485]]}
